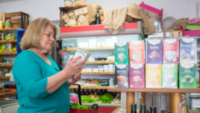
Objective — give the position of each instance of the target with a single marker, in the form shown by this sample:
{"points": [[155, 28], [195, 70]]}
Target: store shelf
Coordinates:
{"points": [[2, 77], [153, 90], [100, 62], [95, 48], [103, 104], [6, 65], [10, 53], [8, 41], [90, 87], [10, 93], [98, 73], [8, 29]]}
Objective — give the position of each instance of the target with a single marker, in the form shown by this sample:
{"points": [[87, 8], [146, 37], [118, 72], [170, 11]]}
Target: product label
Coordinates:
{"points": [[136, 52], [121, 53], [121, 76]]}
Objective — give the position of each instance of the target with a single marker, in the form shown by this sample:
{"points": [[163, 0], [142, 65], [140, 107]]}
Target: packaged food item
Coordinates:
{"points": [[187, 76], [154, 51], [121, 76], [2, 36], [8, 47], [79, 2], [136, 76], [153, 75], [121, 53], [80, 11], [7, 24], [3, 46], [1, 24], [72, 23], [188, 50], [10, 36], [170, 76], [68, 3], [84, 55], [136, 52], [170, 51]]}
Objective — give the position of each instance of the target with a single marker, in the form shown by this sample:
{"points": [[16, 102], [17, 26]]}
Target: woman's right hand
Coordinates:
{"points": [[73, 67]]}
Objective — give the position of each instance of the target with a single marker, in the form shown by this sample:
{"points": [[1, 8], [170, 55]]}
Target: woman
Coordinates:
{"points": [[41, 86]]}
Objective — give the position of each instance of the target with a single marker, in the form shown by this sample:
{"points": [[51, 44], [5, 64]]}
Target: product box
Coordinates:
{"points": [[170, 51], [121, 76], [170, 76], [153, 75], [187, 76], [121, 53], [136, 52], [136, 76], [154, 51], [188, 51]]}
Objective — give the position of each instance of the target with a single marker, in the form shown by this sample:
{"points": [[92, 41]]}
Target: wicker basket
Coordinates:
{"points": [[79, 2]]}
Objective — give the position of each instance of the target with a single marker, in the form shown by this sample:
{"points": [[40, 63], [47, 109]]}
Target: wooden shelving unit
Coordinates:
{"points": [[98, 73], [10, 53], [8, 41], [6, 65], [95, 48], [10, 93], [4, 78], [89, 87], [100, 62], [8, 29]]}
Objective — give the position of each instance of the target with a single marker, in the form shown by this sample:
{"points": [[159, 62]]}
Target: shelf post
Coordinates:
{"points": [[130, 99], [143, 99], [175, 100]]}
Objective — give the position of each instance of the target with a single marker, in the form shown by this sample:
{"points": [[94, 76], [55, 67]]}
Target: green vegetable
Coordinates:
{"points": [[76, 105], [86, 99], [95, 106], [107, 98], [95, 100]]}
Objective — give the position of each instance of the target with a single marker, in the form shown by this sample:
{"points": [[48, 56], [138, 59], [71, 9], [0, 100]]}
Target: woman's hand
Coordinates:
{"points": [[73, 80], [73, 67]]}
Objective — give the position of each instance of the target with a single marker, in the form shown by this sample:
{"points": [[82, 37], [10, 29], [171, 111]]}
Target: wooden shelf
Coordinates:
{"points": [[8, 29], [104, 104], [8, 41], [96, 48], [6, 65], [2, 77], [100, 62], [10, 53], [98, 73], [10, 93], [153, 90], [89, 87]]}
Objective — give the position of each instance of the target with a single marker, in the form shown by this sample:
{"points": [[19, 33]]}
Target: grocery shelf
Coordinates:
{"points": [[153, 90], [6, 65], [10, 93], [100, 62], [103, 104], [8, 29], [10, 53], [98, 73], [89, 87], [8, 41], [95, 48], [3, 77]]}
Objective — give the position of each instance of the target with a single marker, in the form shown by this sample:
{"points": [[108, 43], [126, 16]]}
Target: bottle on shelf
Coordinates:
{"points": [[99, 92], [152, 109], [87, 92], [98, 17], [142, 108], [82, 91], [133, 108]]}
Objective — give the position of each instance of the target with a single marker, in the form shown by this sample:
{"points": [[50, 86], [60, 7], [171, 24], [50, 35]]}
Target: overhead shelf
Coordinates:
{"points": [[6, 65], [153, 90], [8, 41], [3, 77], [8, 29], [98, 73], [10, 53], [95, 48], [89, 87], [100, 62]]}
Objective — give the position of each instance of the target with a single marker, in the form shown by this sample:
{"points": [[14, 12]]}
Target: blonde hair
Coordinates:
{"points": [[34, 32]]}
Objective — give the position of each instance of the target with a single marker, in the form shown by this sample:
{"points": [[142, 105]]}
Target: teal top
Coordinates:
{"points": [[30, 73]]}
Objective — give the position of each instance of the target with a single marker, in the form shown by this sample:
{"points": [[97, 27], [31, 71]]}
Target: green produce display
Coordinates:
{"points": [[107, 98], [95, 106], [76, 105], [96, 100], [86, 99]]}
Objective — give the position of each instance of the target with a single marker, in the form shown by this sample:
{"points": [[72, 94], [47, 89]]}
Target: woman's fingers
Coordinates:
{"points": [[76, 59]]}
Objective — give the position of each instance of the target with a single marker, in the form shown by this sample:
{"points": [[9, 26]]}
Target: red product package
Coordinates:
{"points": [[170, 51], [83, 111]]}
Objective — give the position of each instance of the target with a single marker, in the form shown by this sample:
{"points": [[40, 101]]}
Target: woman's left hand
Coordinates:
{"points": [[73, 80]]}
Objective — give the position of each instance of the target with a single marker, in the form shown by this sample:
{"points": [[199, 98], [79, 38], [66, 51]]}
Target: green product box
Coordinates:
{"points": [[187, 76], [170, 76], [121, 53]]}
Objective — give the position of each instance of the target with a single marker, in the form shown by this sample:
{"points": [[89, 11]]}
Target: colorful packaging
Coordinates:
{"points": [[187, 76], [170, 76], [121, 76], [136, 76], [171, 51], [121, 53], [153, 75], [188, 51], [136, 52], [154, 51], [3, 47]]}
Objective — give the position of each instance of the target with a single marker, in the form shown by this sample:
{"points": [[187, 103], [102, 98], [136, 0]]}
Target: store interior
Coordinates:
{"points": [[142, 56]]}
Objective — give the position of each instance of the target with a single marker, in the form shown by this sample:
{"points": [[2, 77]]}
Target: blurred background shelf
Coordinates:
{"points": [[96, 48], [10, 53], [90, 87], [98, 73], [6, 65], [10, 93], [100, 62], [103, 104], [13, 28], [8, 41], [3, 77]]}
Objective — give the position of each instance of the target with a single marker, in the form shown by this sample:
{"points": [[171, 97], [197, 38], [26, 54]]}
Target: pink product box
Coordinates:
{"points": [[74, 99], [191, 33]]}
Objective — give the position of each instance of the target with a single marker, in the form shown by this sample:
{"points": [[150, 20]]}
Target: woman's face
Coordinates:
{"points": [[47, 40]]}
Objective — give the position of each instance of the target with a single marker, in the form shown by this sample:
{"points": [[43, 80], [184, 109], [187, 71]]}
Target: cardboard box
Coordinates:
{"points": [[121, 53], [121, 76], [136, 52]]}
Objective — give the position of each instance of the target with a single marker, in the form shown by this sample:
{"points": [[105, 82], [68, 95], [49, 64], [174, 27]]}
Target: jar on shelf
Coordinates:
{"points": [[68, 3], [79, 2]]}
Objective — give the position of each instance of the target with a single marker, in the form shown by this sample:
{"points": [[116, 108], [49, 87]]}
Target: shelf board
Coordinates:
{"points": [[6, 65], [8, 29], [95, 48], [10, 93], [98, 73], [8, 41], [3, 77], [10, 53], [89, 87], [153, 90], [100, 62], [103, 104]]}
